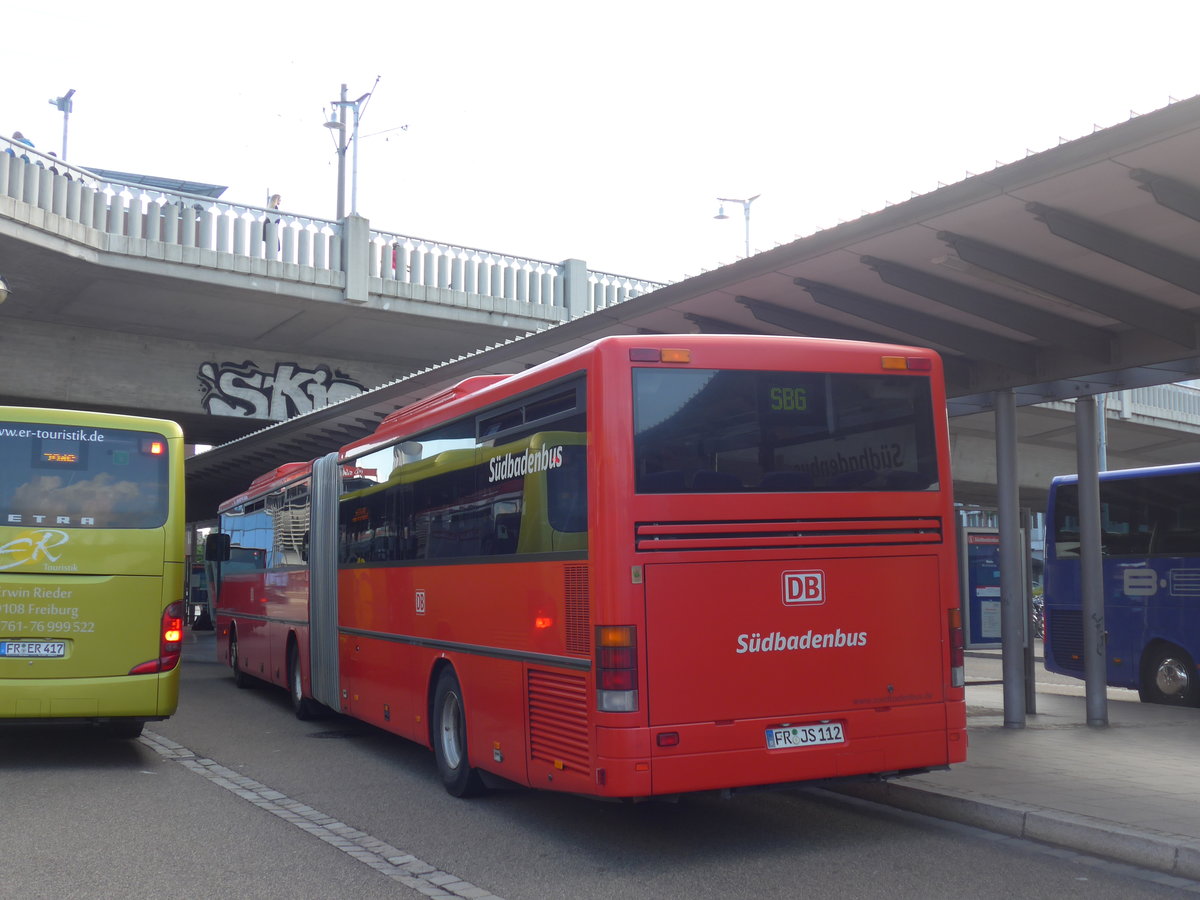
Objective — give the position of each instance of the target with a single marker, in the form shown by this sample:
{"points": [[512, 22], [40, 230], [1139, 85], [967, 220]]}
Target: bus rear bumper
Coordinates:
{"points": [[877, 744], [147, 697]]}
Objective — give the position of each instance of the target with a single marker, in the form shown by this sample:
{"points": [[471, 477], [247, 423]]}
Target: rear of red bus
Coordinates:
{"points": [[779, 600]]}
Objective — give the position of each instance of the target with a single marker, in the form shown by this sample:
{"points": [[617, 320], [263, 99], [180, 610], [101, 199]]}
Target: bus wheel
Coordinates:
{"points": [[240, 678], [304, 708], [1169, 676], [450, 738]]}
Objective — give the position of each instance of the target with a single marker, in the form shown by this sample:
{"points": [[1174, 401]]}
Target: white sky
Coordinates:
{"points": [[602, 131]]}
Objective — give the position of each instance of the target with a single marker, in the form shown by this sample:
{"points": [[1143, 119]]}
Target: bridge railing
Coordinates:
{"points": [[186, 220], [194, 222], [1178, 404], [420, 261]]}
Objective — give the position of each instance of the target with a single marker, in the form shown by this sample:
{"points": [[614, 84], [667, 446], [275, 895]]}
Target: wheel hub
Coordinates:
{"points": [[1171, 677]]}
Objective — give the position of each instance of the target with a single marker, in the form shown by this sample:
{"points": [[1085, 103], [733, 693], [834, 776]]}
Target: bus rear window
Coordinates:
{"points": [[82, 477], [726, 431]]}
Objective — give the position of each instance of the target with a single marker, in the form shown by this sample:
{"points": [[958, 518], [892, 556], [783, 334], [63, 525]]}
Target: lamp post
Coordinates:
{"points": [[745, 207], [339, 125], [63, 104]]}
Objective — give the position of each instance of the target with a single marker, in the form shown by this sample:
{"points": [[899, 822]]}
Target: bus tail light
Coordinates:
{"points": [[616, 668], [907, 363], [957, 657], [170, 645], [655, 354]]}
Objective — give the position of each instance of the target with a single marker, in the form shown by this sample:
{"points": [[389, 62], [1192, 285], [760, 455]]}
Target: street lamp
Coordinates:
{"points": [[339, 125], [746, 207], [63, 104]]}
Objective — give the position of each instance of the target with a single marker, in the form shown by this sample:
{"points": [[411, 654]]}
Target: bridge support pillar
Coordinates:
{"points": [[356, 257], [575, 287]]}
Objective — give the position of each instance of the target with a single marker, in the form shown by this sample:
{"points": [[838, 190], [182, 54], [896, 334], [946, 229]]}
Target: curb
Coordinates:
{"points": [[1166, 853]]}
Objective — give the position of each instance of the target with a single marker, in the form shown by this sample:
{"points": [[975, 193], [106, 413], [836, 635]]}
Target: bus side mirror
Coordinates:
{"points": [[216, 547]]}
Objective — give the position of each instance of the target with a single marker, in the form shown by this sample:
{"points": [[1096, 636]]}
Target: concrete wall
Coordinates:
{"points": [[173, 378]]}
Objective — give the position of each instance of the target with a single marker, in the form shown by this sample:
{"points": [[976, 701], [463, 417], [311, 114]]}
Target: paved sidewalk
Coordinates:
{"points": [[1129, 791]]}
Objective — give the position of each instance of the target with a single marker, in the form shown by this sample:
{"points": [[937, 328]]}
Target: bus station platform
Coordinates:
{"points": [[1128, 791]]}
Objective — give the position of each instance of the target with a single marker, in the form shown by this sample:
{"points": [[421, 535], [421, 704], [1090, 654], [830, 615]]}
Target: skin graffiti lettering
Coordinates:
{"points": [[33, 547], [230, 389]]}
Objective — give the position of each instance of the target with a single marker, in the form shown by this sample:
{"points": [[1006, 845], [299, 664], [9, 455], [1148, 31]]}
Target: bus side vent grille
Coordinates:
{"points": [[1185, 582], [578, 607], [558, 716], [1065, 628], [787, 533]]}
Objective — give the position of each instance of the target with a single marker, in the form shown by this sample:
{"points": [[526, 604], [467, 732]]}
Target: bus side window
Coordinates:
{"points": [[1120, 544], [1184, 542]]}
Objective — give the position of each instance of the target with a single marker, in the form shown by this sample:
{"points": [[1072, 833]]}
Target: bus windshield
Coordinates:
{"points": [[82, 477], [725, 431]]}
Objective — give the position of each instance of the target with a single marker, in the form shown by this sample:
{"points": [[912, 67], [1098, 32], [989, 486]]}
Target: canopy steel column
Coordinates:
{"points": [[1091, 572], [1012, 589]]}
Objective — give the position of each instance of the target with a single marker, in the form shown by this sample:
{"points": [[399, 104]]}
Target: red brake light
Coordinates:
{"points": [[170, 646], [616, 668], [957, 656]]}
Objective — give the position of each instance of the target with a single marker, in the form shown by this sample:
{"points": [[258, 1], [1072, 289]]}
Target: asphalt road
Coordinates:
{"points": [[200, 813]]}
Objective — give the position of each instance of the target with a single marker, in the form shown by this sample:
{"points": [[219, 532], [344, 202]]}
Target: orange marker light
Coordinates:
{"points": [[543, 622], [894, 362], [677, 356]]}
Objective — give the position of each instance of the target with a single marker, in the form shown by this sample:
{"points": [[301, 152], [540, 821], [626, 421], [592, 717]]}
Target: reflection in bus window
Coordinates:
{"points": [[705, 431], [527, 495]]}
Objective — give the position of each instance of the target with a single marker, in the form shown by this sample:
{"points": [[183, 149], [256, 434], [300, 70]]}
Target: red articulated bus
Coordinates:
{"points": [[651, 566]]}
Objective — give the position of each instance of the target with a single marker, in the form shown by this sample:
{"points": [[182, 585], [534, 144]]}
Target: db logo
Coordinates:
{"points": [[803, 588]]}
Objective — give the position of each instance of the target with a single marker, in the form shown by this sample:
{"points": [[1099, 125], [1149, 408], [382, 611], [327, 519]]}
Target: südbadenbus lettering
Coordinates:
{"points": [[777, 641], [886, 456], [510, 466]]}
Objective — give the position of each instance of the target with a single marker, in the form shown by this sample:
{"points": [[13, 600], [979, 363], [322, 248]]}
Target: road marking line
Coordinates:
{"points": [[383, 858]]}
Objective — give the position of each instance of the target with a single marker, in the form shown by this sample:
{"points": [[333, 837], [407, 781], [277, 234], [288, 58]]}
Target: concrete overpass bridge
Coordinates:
{"points": [[227, 317]]}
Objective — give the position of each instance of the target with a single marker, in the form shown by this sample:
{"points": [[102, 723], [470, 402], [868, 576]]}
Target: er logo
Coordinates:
{"points": [[803, 588]]}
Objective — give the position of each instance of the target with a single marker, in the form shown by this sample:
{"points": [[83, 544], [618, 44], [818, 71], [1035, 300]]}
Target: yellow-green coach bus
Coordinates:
{"points": [[92, 568]]}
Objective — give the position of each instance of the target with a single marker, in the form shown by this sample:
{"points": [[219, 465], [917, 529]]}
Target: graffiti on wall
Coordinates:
{"points": [[230, 389]]}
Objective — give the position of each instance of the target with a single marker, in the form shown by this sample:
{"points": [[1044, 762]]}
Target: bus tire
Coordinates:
{"points": [[302, 706], [240, 678], [449, 735], [1169, 677], [124, 729]]}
